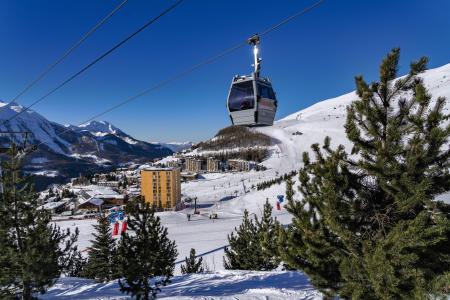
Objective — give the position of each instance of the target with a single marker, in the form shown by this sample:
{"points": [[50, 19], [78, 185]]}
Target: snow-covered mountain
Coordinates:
{"points": [[68, 150], [42, 129], [104, 128], [101, 128], [175, 146]]}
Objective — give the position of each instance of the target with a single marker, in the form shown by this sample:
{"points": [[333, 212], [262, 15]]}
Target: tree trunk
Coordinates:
{"points": [[146, 291], [26, 292]]}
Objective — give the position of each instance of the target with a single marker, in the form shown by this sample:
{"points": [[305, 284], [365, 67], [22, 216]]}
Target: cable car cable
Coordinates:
{"points": [[194, 67], [203, 63], [70, 50], [153, 20], [290, 18]]}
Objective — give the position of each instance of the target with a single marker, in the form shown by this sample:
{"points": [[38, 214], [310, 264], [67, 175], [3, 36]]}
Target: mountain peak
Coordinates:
{"points": [[12, 107], [101, 128]]}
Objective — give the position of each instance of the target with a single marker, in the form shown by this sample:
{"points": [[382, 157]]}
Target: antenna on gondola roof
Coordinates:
{"points": [[254, 41]]}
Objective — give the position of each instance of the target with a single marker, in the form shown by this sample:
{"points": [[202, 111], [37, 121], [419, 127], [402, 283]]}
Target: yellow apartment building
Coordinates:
{"points": [[161, 187]]}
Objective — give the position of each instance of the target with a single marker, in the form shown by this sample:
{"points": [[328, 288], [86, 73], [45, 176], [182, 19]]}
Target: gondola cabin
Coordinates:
{"points": [[251, 100]]}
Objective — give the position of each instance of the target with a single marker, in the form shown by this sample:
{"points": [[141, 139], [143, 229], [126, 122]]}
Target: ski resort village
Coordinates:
{"points": [[315, 162]]}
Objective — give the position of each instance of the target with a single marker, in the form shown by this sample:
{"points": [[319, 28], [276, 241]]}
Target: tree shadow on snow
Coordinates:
{"points": [[228, 283]]}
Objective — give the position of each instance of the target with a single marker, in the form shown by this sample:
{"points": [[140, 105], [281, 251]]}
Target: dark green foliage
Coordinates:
{"points": [[82, 180], [33, 252], [236, 136], [67, 194], [76, 269], [267, 184], [253, 246], [367, 226], [267, 229], [193, 265], [257, 154], [147, 256], [244, 251], [255, 144], [102, 264]]}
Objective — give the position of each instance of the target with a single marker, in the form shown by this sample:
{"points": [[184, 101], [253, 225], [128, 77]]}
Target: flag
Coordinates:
{"points": [[124, 227], [115, 229]]}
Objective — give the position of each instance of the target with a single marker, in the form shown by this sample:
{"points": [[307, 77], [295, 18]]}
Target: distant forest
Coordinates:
{"points": [[237, 137]]}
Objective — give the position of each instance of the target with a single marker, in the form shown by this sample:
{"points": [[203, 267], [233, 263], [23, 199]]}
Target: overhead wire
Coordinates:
{"points": [[203, 63], [193, 68], [69, 51], [92, 63], [290, 18]]}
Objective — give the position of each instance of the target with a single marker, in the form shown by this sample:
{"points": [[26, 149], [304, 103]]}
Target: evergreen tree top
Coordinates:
{"points": [[146, 252], [192, 264], [368, 226]]}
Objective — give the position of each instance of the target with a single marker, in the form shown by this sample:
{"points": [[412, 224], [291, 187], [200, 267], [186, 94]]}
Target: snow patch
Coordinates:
{"points": [[47, 173], [39, 160], [95, 158]]}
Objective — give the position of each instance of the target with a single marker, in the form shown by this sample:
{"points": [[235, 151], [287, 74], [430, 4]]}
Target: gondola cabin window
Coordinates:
{"points": [[241, 96]]}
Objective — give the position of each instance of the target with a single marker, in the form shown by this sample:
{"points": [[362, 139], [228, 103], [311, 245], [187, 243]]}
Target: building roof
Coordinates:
{"points": [[52, 205], [97, 191], [160, 169], [195, 158], [188, 174], [93, 201]]}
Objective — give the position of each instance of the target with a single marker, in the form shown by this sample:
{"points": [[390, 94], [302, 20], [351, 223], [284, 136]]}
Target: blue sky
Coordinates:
{"points": [[310, 59]]}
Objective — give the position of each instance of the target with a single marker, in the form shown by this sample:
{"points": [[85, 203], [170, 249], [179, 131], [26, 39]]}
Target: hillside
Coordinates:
{"points": [[235, 142], [175, 146]]}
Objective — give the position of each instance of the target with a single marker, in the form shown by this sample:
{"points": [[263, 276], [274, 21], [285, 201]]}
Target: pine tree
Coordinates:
{"points": [[76, 269], [193, 265], [147, 256], [33, 252], [253, 246], [244, 252], [368, 226], [102, 262], [267, 229], [247, 249]]}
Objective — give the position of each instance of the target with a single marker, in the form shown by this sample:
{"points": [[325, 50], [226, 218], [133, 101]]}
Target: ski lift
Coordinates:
{"points": [[251, 99], [21, 147]]}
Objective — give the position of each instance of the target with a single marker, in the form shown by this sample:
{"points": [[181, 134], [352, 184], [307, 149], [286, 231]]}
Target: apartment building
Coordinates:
{"points": [[193, 164], [212, 165], [161, 187]]}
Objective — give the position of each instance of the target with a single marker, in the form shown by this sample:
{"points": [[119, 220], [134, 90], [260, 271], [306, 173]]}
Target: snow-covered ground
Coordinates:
{"points": [[242, 285], [93, 157], [48, 173], [229, 194]]}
